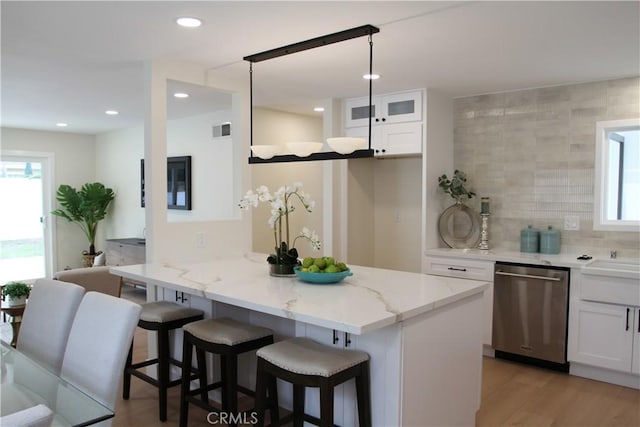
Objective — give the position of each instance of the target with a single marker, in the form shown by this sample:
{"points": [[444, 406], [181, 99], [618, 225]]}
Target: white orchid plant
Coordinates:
{"points": [[282, 204]]}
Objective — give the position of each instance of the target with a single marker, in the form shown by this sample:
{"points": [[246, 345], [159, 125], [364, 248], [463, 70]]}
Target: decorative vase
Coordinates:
{"points": [[282, 270], [459, 226], [16, 301]]}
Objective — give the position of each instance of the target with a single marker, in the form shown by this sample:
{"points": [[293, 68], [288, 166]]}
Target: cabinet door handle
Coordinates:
{"points": [[639, 320], [335, 336], [627, 319], [384, 120], [377, 120], [347, 339], [180, 298], [456, 269]]}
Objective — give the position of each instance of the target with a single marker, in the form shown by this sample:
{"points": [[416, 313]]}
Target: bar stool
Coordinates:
{"points": [[163, 317], [227, 338], [306, 363]]}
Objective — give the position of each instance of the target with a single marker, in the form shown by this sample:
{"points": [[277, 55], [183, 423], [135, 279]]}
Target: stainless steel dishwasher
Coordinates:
{"points": [[530, 308]]}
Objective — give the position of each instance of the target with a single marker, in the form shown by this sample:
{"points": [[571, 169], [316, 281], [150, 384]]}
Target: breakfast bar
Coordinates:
{"points": [[423, 332]]}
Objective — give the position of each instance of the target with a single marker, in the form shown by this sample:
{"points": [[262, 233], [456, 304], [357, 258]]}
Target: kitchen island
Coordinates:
{"points": [[424, 333]]}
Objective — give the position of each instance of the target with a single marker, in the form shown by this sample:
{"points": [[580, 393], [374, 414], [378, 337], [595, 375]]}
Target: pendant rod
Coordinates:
{"points": [[370, 84], [313, 43], [251, 107]]}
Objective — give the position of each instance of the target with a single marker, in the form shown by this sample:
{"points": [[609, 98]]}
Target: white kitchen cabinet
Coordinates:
{"points": [[424, 370], [388, 108], [604, 335], [604, 329], [398, 139], [467, 269], [396, 124]]}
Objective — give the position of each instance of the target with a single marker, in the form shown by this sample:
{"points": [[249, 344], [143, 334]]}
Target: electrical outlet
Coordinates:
{"points": [[572, 222], [201, 241]]}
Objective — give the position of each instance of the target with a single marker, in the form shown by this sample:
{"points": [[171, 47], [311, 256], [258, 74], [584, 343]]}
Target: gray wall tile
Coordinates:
{"points": [[533, 151]]}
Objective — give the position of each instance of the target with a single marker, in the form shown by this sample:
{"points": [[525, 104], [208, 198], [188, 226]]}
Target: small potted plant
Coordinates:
{"points": [[456, 186], [16, 293]]}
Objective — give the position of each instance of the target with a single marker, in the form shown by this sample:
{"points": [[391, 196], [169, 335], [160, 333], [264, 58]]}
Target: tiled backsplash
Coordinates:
{"points": [[533, 152]]}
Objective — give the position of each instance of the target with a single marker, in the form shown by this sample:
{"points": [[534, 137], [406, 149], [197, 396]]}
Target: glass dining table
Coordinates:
{"points": [[25, 384]]}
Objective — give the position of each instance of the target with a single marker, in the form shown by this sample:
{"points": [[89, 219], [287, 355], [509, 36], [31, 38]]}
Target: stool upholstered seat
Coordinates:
{"points": [[166, 311], [227, 338], [163, 317], [307, 357], [226, 331], [306, 363]]}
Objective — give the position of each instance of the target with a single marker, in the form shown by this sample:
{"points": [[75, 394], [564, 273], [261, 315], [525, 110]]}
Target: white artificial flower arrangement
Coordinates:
{"points": [[282, 204]]}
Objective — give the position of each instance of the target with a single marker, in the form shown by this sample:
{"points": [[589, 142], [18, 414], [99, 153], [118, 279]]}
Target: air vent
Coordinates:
{"points": [[222, 130]]}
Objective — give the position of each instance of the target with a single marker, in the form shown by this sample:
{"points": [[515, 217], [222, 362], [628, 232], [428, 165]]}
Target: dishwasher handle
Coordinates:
{"points": [[528, 276]]}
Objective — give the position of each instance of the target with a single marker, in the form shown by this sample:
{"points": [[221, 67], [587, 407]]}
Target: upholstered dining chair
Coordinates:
{"points": [[36, 416], [98, 345], [97, 279], [47, 320]]}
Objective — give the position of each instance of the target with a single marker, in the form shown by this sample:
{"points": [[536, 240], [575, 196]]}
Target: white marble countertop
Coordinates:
{"points": [[559, 260], [370, 299]]}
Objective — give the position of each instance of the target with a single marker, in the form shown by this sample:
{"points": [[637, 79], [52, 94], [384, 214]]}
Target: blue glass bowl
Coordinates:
{"points": [[321, 278]]}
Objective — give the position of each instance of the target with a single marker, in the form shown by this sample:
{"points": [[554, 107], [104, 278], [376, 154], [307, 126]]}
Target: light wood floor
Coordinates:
{"points": [[512, 395]]}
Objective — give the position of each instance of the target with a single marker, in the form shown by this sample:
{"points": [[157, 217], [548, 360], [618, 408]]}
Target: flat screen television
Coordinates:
{"points": [[178, 183]]}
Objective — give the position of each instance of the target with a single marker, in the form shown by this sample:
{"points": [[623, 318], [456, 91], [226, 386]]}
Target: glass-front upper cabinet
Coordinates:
{"points": [[390, 108]]}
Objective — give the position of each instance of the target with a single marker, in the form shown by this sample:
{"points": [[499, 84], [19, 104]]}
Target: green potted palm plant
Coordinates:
{"points": [[16, 293], [85, 207]]}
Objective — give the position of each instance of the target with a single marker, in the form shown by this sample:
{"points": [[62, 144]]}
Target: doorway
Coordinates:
{"points": [[25, 234]]}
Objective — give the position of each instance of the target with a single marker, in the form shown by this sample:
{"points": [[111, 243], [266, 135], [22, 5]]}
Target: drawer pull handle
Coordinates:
{"points": [[627, 319], [456, 269], [639, 320]]}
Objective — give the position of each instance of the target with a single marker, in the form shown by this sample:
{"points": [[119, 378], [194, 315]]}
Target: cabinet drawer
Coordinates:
{"points": [[458, 267], [615, 290]]}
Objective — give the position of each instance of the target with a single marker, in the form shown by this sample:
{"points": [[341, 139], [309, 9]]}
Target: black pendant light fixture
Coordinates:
{"points": [[364, 30]]}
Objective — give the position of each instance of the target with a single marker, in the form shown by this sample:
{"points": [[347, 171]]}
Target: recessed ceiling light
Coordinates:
{"points": [[371, 76], [188, 22], [318, 109], [180, 95], [61, 125], [111, 112]]}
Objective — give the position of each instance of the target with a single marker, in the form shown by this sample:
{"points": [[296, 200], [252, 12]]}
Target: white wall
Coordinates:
{"points": [[276, 127], [75, 165], [211, 168], [118, 163]]}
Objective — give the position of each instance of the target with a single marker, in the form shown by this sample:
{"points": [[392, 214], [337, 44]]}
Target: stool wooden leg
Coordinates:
{"points": [[363, 392], [202, 373], [261, 394], [224, 379], [274, 410], [298, 405], [187, 354], [230, 386], [126, 379], [326, 404], [163, 371]]}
